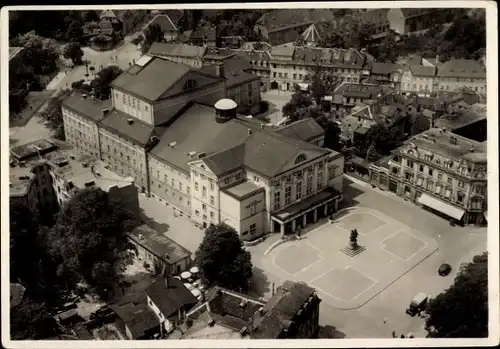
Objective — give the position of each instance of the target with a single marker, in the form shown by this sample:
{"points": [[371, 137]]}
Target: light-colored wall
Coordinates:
{"points": [[454, 84], [81, 133], [419, 84], [124, 157], [396, 20], [162, 319], [204, 188], [133, 106], [240, 94], [195, 62]]}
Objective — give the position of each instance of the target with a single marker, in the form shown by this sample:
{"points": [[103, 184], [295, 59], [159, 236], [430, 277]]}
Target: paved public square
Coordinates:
{"points": [[347, 282]]}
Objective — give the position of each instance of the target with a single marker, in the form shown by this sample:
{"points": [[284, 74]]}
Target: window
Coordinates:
{"points": [[253, 228], [190, 84], [320, 180], [409, 163], [395, 170], [196, 186], [288, 195], [429, 185], [331, 172], [440, 176], [298, 190], [420, 181], [480, 190], [477, 204], [408, 176], [212, 200], [204, 191], [421, 168], [460, 197], [181, 199], [204, 217], [204, 207], [277, 196], [212, 187], [430, 172], [227, 180], [461, 184], [237, 176], [173, 182], [180, 186], [188, 190], [447, 194], [438, 189], [449, 180], [212, 215], [256, 179]]}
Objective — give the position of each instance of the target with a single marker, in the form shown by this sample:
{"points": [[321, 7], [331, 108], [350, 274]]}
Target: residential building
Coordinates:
{"points": [[260, 64], [155, 131], [441, 171], [418, 79], [256, 46], [155, 247], [291, 65], [167, 26], [136, 320], [181, 53], [349, 95], [214, 55], [284, 26], [30, 182], [232, 42], [204, 36], [387, 74], [469, 121], [242, 87], [457, 74], [292, 312], [169, 300], [122, 21], [409, 20]]}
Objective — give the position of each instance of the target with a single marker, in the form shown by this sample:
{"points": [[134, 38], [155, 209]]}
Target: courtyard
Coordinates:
{"points": [[390, 249]]}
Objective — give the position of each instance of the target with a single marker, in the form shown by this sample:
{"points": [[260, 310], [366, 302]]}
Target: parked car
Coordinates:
{"points": [[418, 304], [444, 269]]}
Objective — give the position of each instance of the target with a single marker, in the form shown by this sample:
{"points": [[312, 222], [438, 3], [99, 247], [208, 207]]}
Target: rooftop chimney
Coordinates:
{"points": [[105, 111], [219, 70]]}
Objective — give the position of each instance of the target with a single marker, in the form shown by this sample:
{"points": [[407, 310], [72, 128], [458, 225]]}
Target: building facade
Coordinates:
{"points": [[441, 171], [458, 74], [180, 53], [418, 79], [291, 65]]}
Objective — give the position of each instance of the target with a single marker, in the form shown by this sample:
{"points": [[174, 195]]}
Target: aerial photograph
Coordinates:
{"points": [[275, 173]]}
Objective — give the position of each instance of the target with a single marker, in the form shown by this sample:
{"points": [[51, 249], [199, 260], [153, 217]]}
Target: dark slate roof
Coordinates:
{"points": [[138, 132], [460, 119], [177, 50], [234, 77], [283, 19], [92, 109], [420, 70], [281, 309], [146, 83], [137, 315], [384, 68], [329, 57], [230, 144], [164, 21], [205, 33], [238, 62], [466, 68], [304, 130], [159, 244], [172, 298]]}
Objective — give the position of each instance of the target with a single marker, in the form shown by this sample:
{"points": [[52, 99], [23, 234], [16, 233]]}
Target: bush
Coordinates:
{"points": [[264, 106]]}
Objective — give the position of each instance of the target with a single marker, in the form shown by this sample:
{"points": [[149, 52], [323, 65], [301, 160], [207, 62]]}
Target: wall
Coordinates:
{"points": [[170, 184], [125, 158], [132, 106], [195, 62], [247, 103], [81, 133], [230, 212], [204, 195], [454, 84], [252, 216]]}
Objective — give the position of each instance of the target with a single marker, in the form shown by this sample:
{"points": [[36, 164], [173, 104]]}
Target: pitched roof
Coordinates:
{"points": [[466, 68], [230, 144], [304, 130], [172, 298], [205, 33], [92, 109], [283, 51], [460, 119], [238, 62], [234, 77], [420, 70], [278, 20], [281, 309], [384, 68], [144, 81], [164, 21], [159, 244], [136, 131], [137, 315]]}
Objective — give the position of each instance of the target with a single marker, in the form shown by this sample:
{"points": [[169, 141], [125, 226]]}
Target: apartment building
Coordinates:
{"points": [[214, 55], [418, 79], [260, 64], [30, 183], [167, 26], [284, 26], [291, 65], [458, 74], [350, 95], [181, 53], [441, 171]]}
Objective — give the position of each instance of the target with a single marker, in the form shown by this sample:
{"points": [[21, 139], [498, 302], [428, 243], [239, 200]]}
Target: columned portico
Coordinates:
{"points": [[297, 213]]}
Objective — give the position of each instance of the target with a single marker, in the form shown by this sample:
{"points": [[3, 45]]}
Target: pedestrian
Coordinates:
{"points": [[385, 320], [393, 334]]}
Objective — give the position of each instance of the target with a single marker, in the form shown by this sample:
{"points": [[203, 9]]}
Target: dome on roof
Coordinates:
{"points": [[226, 104]]}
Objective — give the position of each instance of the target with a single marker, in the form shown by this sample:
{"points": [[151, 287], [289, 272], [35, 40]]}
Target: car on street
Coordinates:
{"points": [[444, 269]]}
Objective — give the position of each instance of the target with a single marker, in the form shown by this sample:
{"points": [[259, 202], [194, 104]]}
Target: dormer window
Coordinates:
{"points": [[190, 84], [300, 158]]}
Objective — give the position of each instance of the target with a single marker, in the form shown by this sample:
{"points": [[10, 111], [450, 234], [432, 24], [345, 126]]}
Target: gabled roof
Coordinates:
{"points": [[283, 19], [153, 80], [170, 299], [304, 130], [384, 68], [177, 50], [466, 68], [137, 315], [282, 51], [163, 21], [92, 109], [234, 77], [420, 70]]}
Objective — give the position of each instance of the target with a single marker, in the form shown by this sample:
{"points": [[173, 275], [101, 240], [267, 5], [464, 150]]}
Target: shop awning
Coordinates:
{"points": [[441, 206]]}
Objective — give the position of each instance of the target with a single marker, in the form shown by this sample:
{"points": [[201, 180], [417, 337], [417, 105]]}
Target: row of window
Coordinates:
{"points": [[252, 230], [333, 70]]}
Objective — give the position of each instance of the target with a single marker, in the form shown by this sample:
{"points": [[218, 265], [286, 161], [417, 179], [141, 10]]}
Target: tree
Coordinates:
{"points": [[462, 310], [74, 52], [322, 82], [31, 320], [222, 259], [39, 53], [53, 113], [74, 33], [91, 16], [101, 84], [50, 24], [89, 240], [154, 33], [299, 105]]}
